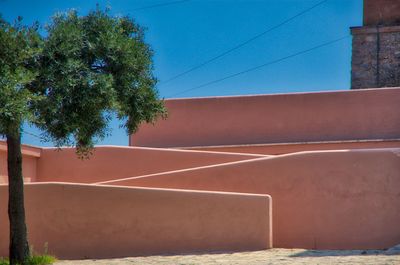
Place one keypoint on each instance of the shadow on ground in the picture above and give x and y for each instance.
(326, 253)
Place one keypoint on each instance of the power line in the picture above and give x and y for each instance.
(32, 134)
(262, 65)
(160, 4)
(259, 35)
(3, 136)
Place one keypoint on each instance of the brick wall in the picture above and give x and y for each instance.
(376, 57)
(376, 46)
(381, 12)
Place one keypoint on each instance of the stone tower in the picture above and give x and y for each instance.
(376, 46)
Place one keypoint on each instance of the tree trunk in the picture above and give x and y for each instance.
(19, 248)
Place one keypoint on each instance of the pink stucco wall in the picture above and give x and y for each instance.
(112, 162)
(86, 221)
(30, 156)
(284, 118)
(345, 199)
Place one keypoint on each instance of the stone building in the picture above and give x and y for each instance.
(376, 46)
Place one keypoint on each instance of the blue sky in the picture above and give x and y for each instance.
(187, 33)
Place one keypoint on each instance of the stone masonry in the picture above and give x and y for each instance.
(376, 46)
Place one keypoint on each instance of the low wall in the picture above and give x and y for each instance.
(86, 221)
(112, 162)
(284, 118)
(321, 200)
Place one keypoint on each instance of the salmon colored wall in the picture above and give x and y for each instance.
(323, 200)
(302, 117)
(112, 162)
(86, 221)
(3, 167)
(30, 156)
(278, 149)
(25, 149)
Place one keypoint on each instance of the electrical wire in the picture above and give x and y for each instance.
(262, 65)
(32, 134)
(160, 4)
(238, 46)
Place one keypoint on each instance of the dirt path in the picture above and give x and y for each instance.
(266, 257)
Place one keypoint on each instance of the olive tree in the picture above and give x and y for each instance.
(69, 84)
(19, 51)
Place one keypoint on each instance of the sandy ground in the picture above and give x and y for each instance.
(272, 256)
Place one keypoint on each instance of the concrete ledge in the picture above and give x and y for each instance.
(285, 148)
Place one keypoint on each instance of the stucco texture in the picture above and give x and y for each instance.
(30, 157)
(346, 199)
(86, 221)
(113, 162)
(370, 114)
(324, 167)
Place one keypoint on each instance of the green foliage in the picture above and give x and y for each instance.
(71, 82)
(4, 261)
(20, 47)
(92, 66)
(34, 260)
(41, 260)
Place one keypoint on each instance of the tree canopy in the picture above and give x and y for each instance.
(20, 48)
(91, 66)
(71, 82)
